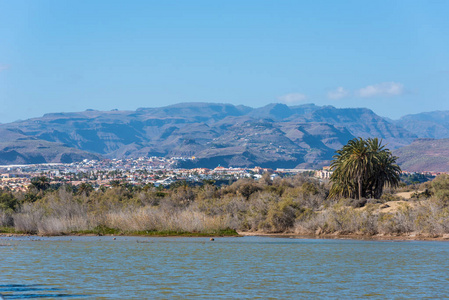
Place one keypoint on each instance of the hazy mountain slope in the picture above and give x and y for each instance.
(275, 111)
(93, 131)
(195, 112)
(16, 148)
(427, 125)
(424, 155)
(362, 122)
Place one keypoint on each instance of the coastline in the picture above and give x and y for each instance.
(411, 237)
(127, 234)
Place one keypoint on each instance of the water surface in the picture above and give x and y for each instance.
(246, 267)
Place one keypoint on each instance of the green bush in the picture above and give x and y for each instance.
(8, 202)
(440, 186)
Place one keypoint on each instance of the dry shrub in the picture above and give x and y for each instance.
(28, 219)
(33, 218)
(134, 219)
(148, 198)
(64, 205)
(432, 218)
(195, 221)
(312, 225)
(158, 219)
(256, 215)
(57, 225)
(399, 222)
(341, 220)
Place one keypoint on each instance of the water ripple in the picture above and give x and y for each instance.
(32, 291)
(249, 267)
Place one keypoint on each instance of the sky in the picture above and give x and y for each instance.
(64, 56)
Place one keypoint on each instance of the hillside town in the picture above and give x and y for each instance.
(141, 171)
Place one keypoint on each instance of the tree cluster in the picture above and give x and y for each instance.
(362, 168)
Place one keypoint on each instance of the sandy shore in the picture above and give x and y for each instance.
(410, 237)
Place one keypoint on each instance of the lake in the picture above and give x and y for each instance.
(243, 267)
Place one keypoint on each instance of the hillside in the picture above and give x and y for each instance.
(16, 148)
(424, 155)
(433, 125)
(272, 136)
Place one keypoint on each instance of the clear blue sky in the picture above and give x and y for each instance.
(60, 56)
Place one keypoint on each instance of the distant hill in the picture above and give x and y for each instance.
(17, 148)
(424, 155)
(433, 125)
(275, 135)
(361, 122)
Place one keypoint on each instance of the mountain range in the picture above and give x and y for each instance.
(276, 135)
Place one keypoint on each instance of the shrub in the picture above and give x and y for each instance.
(282, 215)
(440, 186)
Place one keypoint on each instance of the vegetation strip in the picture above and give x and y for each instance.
(300, 205)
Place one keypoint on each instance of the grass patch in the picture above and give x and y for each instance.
(7, 229)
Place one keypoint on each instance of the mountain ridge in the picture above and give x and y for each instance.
(270, 136)
(433, 124)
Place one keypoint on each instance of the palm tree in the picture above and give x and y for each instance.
(85, 188)
(362, 168)
(40, 183)
(352, 165)
(387, 172)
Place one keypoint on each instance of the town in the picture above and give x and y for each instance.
(141, 171)
(157, 171)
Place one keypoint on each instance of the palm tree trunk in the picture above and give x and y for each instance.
(379, 190)
(360, 187)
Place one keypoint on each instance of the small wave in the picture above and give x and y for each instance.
(32, 291)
